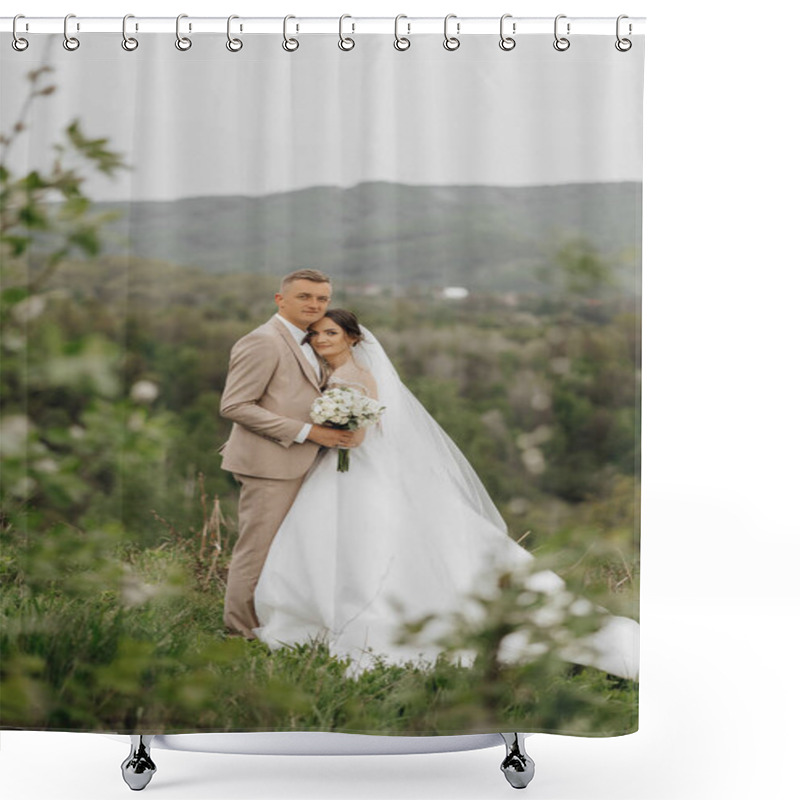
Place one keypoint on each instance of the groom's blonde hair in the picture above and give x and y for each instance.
(304, 275)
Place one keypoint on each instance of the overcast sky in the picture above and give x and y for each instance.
(208, 122)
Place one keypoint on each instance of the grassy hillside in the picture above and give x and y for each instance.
(384, 233)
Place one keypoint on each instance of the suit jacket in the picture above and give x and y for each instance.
(268, 395)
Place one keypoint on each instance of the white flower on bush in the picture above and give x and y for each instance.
(144, 391)
(14, 433)
(28, 309)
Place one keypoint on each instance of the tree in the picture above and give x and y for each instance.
(48, 207)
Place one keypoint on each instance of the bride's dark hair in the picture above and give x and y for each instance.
(347, 321)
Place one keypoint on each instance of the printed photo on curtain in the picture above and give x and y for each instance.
(321, 384)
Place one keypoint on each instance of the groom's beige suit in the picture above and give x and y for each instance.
(271, 385)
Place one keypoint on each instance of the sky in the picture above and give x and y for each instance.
(209, 122)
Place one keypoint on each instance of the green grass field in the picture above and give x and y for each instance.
(98, 635)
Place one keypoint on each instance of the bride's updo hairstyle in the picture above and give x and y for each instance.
(347, 321)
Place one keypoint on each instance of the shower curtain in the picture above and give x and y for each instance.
(320, 383)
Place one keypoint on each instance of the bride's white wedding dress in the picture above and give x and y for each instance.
(408, 531)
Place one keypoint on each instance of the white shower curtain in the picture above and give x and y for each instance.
(478, 213)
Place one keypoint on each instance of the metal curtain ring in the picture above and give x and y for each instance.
(401, 42)
(70, 42)
(18, 43)
(561, 43)
(451, 42)
(182, 42)
(507, 42)
(129, 43)
(234, 45)
(289, 44)
(623, 45)
(346, 42)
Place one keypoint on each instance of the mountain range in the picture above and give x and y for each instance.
(387, 233)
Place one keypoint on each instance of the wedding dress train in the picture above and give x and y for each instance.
(408, 531)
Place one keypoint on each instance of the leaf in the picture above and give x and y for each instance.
(87, 239)
(68, 184)
(14, 295)
(33, 181)
(95, 149)
(18, 244)
(34, 74)
(76, 205)
(31, 216)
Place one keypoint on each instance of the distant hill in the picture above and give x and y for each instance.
(386, 233)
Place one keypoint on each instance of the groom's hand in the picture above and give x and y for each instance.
(331, 437)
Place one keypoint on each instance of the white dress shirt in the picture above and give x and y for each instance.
(308, 351)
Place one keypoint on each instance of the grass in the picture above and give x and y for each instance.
(99, 635)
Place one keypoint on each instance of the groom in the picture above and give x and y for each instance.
(273, 380)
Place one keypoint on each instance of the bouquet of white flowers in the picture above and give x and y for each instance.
(346, 409)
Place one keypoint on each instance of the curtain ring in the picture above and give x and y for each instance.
(289, 45)
(234, 45)
(70, 42)
(346, 42)
(507, 42)
(129, 43)
(561, 43)
(18, 43)
(623, 45)
(183, 43)
(451, 42)
(401, 42)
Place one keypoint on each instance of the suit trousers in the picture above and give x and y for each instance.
(263, 504)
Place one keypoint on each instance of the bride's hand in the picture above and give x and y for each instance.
(331, 437)
(358, 437)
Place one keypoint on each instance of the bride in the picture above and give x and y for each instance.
(407, 531)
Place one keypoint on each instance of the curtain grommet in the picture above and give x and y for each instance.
(451, 43)
(183, 43)
(507, 43)
(233, 44)
(401, 43)
(129, 43)
(18, 42)
(346, 43)
(289, 44)
(561, 43)
(623, 44)
(70, 43)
